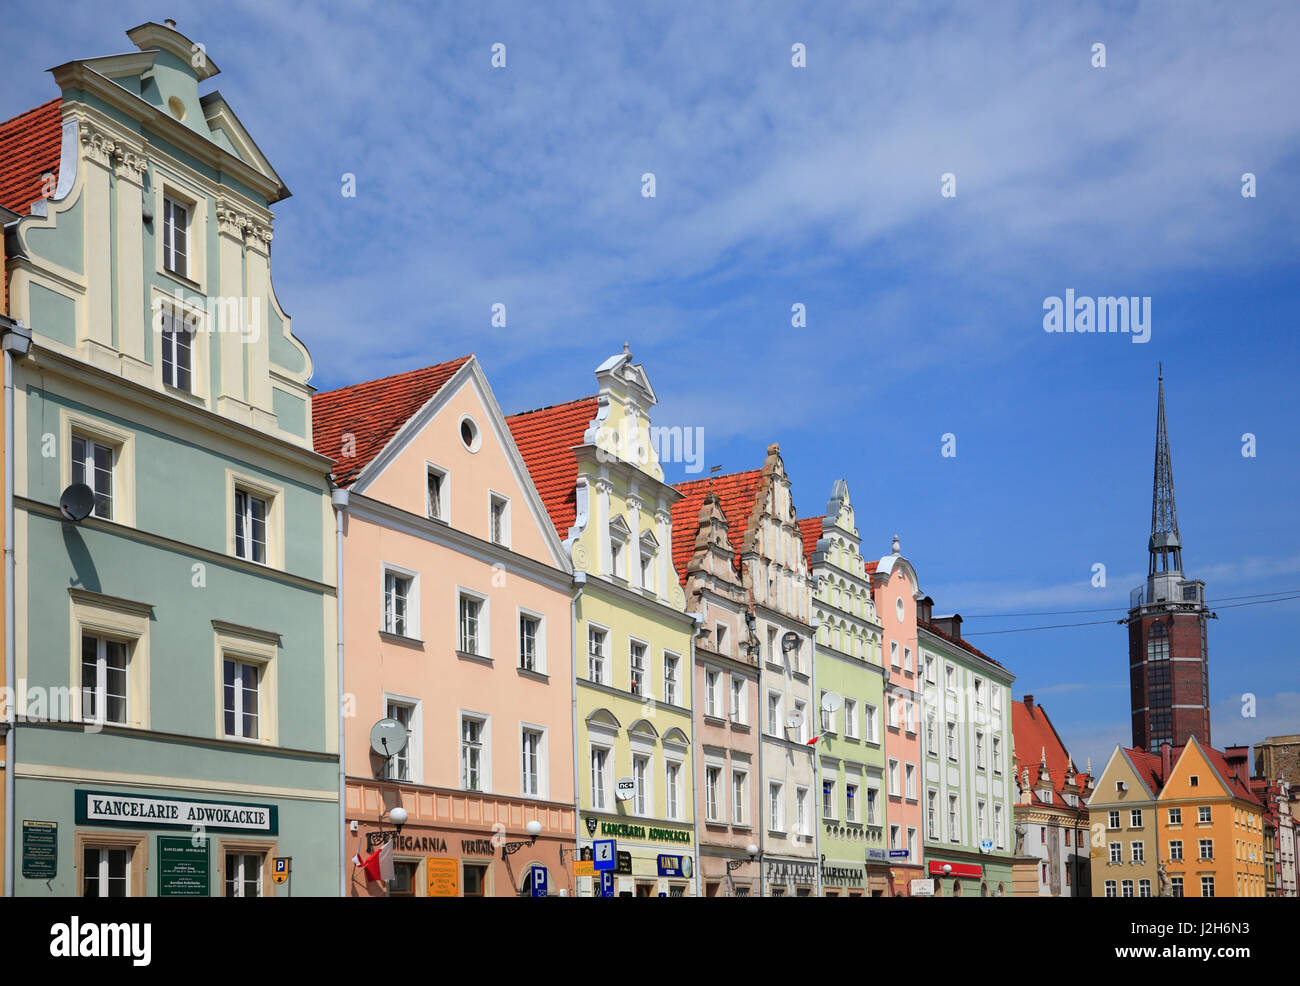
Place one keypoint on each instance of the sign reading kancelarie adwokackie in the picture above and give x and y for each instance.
(136, 810)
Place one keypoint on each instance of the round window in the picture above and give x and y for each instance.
(898, 608)
(469, 433)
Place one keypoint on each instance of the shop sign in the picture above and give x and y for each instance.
(921, 888)
(477, 847)
(443, 877)
(584, 867)
(955, 869)
(782, 871)
(406, 843)
(840, 874)
(133, 811)
(898, 853)
(678, 866)
(624, 862)
(183, 867)
(40, 850)
(877, 855)
(624, 830)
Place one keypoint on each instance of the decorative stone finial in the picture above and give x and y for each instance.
(896, 551)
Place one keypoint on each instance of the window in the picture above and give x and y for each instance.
(599, 777)
(911, 844)
(894, 832)
(1195, 781)
(893, 778)
(909, 717)
(1127, 886)
(176, 219)
(775, 808)
(869, 724)
(800, 713)
(931, 745)
(893, 653)
(398, 766)
(92, 464)
(473, 759)
(1207, 886)
(250, 526)
(1137, 851)
(997, 754)
(469, 435)
(952, 741)
(891, 710)
(980, 824)
(738, 799)
(474, 880)
(997, 826)
(1203, 813)
(850, 718)
(720, 636)
(979, 750)
(1112, 819)
(103, 679)
(828, 799)
(499, 514)
(1175, 886)
(873, 798)
(954, 827)
(978, 686)
(774, 713)
(472, 638)
(530, 643)
(907, 659)
(106, 872)
(177, 344)
(1207, 848)
(435, 494)
(596, 640)
(397, 598)
(647, 568)
(1116, 853)
(929, 669)
(616, 545)
(243, 874)
(850, 802)
(711, 693)
(241, 694)
(643, 798)
(673, 774)
(531, 762)
(1135, 818)
(771, 645)
(403, 882)
(931, 815)
(636, 660)
(670, 678)
(801, 811)
(738, 712)
(1110, 889)
(949, 678)
(909, 773)
(1176, 849)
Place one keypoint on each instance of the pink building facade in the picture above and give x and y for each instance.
(457, 625)
(896, 590)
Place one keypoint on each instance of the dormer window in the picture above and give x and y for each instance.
(649, 551)
(619, 534)
(436, 494)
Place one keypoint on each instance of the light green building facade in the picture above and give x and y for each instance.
(967, 740)
(176, 665)
(850, 683)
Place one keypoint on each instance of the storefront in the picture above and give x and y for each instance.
(460, 844)
(902, 870)
(651, 859)
(786, 877)
(842, 878)
(727, 872)
(878, 873)
(958, 876)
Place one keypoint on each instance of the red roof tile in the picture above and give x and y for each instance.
(811, 529)
(1149, 767)
(1034, 733)
(1238, 784)
(372, 412)
(964, 644)
(29, 147)
(546, 439)
(736, 492)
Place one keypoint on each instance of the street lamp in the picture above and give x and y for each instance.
(735, 864)
(534, 829)
(398, 817)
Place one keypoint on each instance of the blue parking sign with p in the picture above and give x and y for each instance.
(539, 881)
(607, 884)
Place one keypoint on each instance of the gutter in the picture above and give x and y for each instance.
(17, 340)
(579, 583)
(339, 499)
(698, 620)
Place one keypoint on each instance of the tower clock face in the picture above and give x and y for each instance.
(388, 737)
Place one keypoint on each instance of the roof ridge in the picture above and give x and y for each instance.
(35, 109)
(392, 376)
(552, 407)
(711, 479)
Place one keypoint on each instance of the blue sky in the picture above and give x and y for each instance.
(820, 186)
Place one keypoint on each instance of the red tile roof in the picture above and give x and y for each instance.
(736, 492)
(1238, 785)
(29, 147)
(964, 644)
(372, 412)
(811, 529)
(1034, 733)
(871, 567)
(1149, 767)
(546, 439)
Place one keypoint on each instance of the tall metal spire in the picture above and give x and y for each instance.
(1165, 547)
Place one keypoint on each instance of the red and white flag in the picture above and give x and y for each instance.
(379, 864)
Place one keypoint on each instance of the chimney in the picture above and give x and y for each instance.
(1166, 756)
(1029, 702)
(1237, 758)
(170, 23)
(924, 609)
(951, 625)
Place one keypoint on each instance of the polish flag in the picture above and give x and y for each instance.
(379, 864)
(813, 741)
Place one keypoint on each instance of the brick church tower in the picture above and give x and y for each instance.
(1169, 669)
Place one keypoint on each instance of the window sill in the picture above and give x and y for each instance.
(713, 720)
(477, 658)
(400, 638)
(533, 675)
(740, 727)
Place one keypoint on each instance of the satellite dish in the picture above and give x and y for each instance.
(388, 737)
(790, 641)
(794, 720)
(832, 701)
(77, 502)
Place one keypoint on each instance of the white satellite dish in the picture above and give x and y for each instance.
(794, 720)
(832, 701)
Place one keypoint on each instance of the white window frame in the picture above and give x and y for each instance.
(167, 234)
(776, 806)
(711, 678)
(414, 751)
(601, 791)
(871, 723)
(893, 774)
(713, 793)
(632, 644)
(543, 761)
(603, 634)
(484, 618)
(443, 513)
(643, 797)
(412, 577)
(851, 718)
(673, 687)
(673, 788)
(485, 750)
(739, 797)
(539, 639)
(739, 700)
